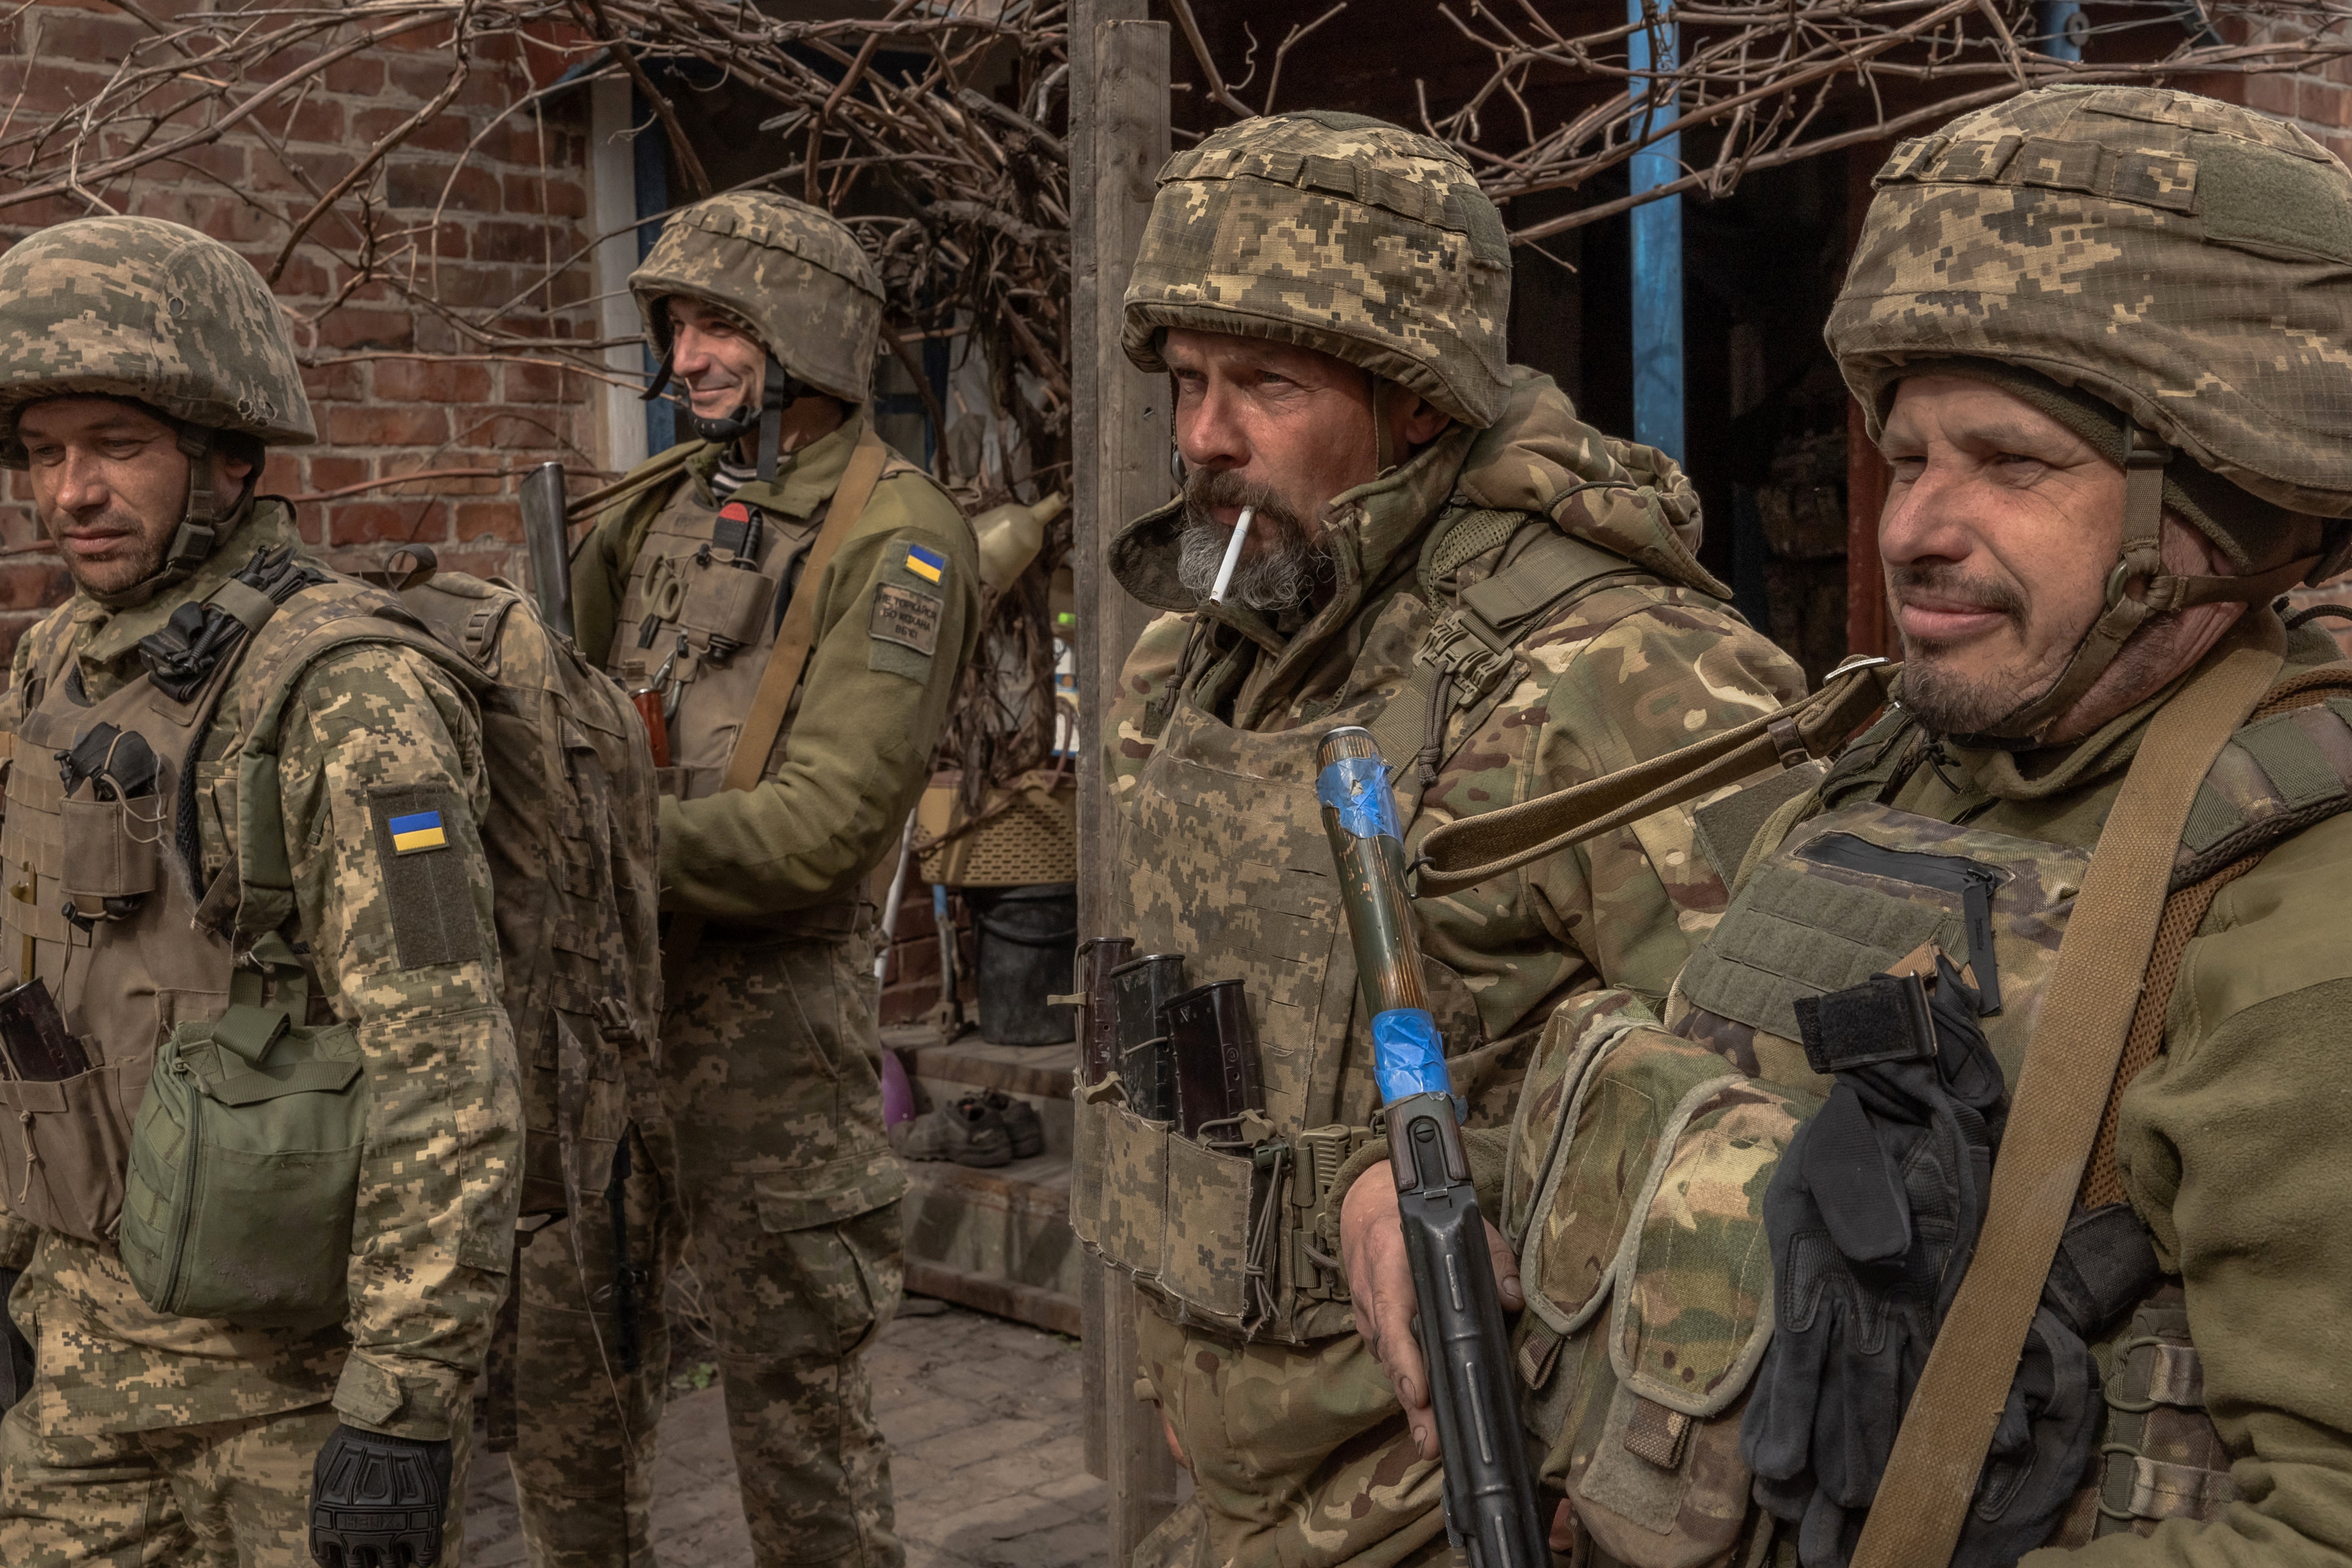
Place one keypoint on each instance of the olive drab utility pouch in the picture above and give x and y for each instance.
(1648, 1278)
(112, 822)
(63, 1125)
(245, 1160)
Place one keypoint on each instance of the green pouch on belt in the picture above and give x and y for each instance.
(244, 1162)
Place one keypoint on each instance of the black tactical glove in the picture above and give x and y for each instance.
(1872, 1215)
(2043, 1445)
(378, 1501)
(16, 1359)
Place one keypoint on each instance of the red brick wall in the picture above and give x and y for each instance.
(521, 202)
(910, 985)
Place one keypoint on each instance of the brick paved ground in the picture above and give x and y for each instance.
(983, 1420)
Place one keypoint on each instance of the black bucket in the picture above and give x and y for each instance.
(1028, 946)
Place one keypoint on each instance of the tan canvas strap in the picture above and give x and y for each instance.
(749, 760)
(1478, 848)
(1931, 1476)
(765, 721)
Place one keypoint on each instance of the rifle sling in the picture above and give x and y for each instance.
(1931, 1476)
(748, 761)
(1477, 847)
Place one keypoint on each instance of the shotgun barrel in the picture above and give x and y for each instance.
(547, 544)
(1491, 1512)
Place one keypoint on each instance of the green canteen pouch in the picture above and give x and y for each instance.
(1649, 1280)
(244, 1170)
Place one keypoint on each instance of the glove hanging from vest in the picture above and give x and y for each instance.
(199, 635)
(1872, 1216)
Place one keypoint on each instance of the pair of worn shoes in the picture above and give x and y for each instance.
(979, 1131)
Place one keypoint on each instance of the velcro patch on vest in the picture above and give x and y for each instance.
(426, 887)
(907, 616)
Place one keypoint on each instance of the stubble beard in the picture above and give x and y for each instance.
(1947, 701)
(141, 558)
(1284, 569)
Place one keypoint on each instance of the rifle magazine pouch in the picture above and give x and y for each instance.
(1133, 1231)
(63, 1146)
(111, 849)
(1579, 1029)
(243, 1171)
(726, 604)
(1209, 1227)
(1091, 1105)
(1649, 1292)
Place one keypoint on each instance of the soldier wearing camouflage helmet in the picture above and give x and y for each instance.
(1437, 549)
(787, 530)
(2098, 335)
(241, 838)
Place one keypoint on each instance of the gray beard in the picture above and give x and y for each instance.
(1953, 705)
(1279, 578)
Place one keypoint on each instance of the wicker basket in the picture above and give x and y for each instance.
(1027, 833)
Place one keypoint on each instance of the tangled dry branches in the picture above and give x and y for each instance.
(1758, 83)
(938, 131)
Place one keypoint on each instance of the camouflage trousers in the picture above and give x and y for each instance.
(1300, 1457)
(771, 1076)
(586, 1385)
(229, 1494)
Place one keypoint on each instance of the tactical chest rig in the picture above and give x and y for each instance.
(106, 901)
(706, 603)
(1225, 860)
(1640, 1153)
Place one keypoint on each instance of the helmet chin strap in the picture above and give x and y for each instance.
(199, 528)
(778, 390)
(1383, 439)
(2141, 560)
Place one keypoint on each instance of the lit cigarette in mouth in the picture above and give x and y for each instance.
(1232, 556)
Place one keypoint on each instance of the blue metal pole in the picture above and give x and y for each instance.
(1657, 251)
(2056, 40)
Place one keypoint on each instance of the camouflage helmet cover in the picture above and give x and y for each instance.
(2182, 259)
(787, 270)
(1336, 232)
(150, 311)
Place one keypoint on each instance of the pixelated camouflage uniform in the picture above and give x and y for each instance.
(581, 1355)
(167, 1438)
(770, 1043)
(2003, 249)
(1620, 648)
(192, 1435)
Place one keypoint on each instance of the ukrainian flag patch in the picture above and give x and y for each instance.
(419, 830)
(926, 563)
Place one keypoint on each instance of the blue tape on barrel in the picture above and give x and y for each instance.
(1358, 789)
(1408, 1058)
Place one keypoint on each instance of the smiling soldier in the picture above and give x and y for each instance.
(1976, 1193)
(788, 541)
(1440, 550)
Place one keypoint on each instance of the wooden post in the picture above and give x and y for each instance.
(1119, 139)
(1867, 630)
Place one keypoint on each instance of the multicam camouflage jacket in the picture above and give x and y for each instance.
(1649, 661)
(1634, 1175)
(368, 721)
